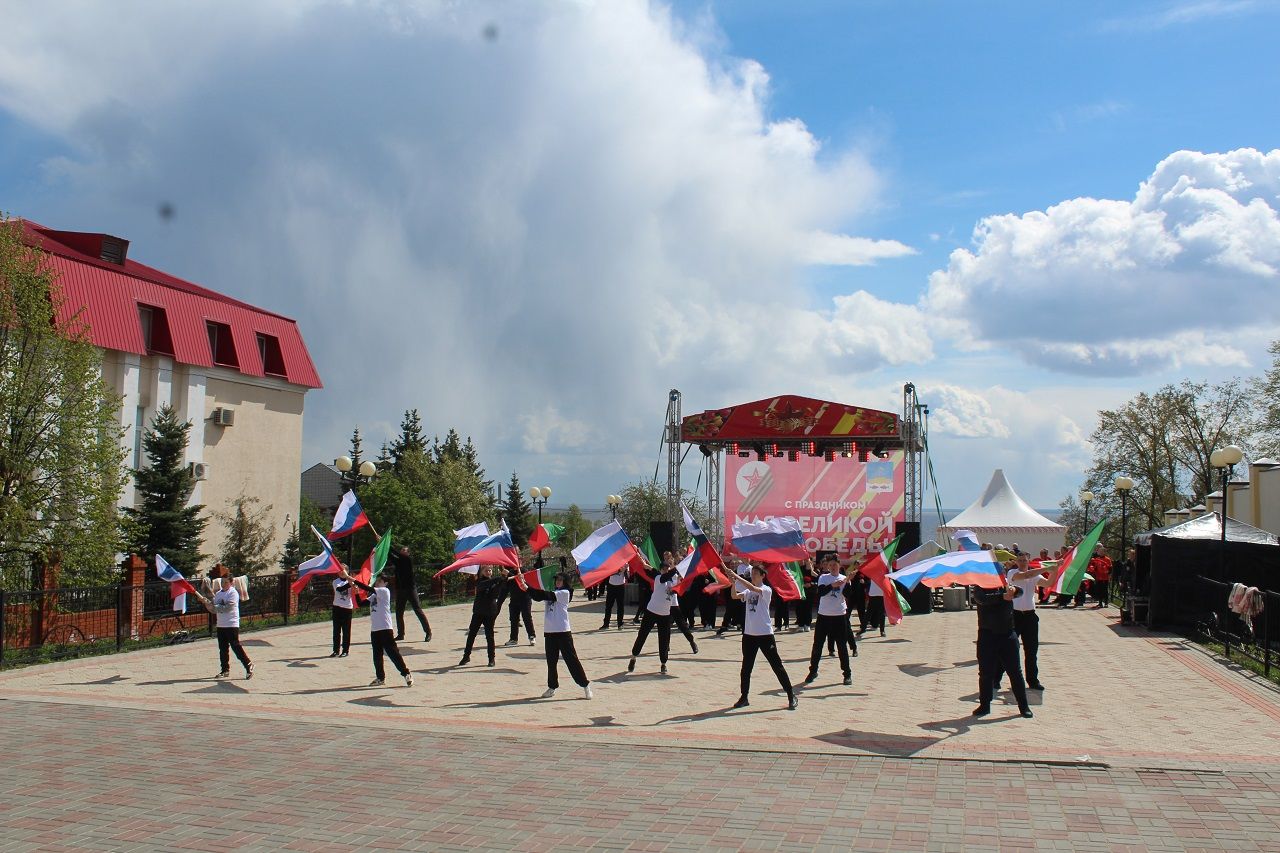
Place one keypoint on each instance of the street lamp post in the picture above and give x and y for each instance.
(1086, 498)
(540, 494)
(1224, 459)
(1123, 485)
(613, 502)
(351, 479)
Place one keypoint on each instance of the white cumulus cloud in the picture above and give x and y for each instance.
(1108, 286)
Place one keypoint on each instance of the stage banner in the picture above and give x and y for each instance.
(843, 505)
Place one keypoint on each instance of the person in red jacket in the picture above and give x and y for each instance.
(1100, 568)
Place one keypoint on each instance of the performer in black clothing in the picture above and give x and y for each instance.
(407, 591)
(706, 602)
(804, 607)
(734, 609)
(615, 588)
(519, 605)
(998, 648)
(491, 590)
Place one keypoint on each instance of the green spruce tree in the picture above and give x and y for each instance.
(516, 512)
(247, 535)
(410, 441)
(162, 522)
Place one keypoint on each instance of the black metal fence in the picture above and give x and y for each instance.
(37, 626)
(1254, 641)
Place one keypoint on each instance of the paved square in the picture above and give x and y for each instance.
(1139, 742)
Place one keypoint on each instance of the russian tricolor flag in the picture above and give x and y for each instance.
(349, 518)
(496, 549)
(178, 585)
(324, 563)
(771, 540)
(967, 568)
(469, 537)
(703, 558)
(604, 552)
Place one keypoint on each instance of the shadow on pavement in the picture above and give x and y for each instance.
(916, 670)
(110, 679)
(498, 703)
(220, 687)
(596, 723)
(378, 702)
(879, 743)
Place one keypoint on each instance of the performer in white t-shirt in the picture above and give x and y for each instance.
(614, 595)
(382, 634)
(226, 607)
(657, 612)
(757, 633)
(833, 621)
(344, 603)
(557, 636)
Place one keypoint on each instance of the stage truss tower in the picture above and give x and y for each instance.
(914, 442)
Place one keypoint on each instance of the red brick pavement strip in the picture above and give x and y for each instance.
(79, 777)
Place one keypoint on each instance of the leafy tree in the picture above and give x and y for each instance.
(60, 456)
(576, 526)
(301, 539)
(163, 523)
(646, 502)
(516, 512)
(247, 536)
(410, 440)
(463, 496)
(406, 501)
(1266, 421)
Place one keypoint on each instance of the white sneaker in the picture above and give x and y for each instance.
(377, 682)
(548, 693)
(586, 692)
(408, 679)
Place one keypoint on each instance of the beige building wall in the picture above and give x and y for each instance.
(260, 454)
(1268, 486)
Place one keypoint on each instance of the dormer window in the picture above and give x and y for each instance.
(272, 358)
(222, 347)
(155, 330)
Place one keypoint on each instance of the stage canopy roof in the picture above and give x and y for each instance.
(1000, 507)
(1207, 526)
(788, 418)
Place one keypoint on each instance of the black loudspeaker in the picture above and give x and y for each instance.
(920, 598)
(663, 534)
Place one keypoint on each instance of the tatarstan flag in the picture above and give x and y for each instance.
(543, 578)
(786, 580)
(643, 564)
(877, 570)
(1070, 571)
(373, 565)
(543, 535)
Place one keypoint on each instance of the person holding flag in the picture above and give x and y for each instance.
(407, 591)
(344, 605)
(614, 590)
(833, 621)
(557, 636)
(757, 633)
(657, 612)
(381, 636)
(490, 592)
(226, 607)
(998, 648)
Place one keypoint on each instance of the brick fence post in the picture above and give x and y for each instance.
(44, 570)
(133, 578)
(289, 597)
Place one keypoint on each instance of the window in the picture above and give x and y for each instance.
(272, 358)
(155, 330)
(221, 346)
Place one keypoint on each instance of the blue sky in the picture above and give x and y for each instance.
(531, 237)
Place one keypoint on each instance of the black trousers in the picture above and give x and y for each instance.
(733, 613)
(229, 641)
(341, 628)
(1102, 591)
(998, 652)
(781, 614)
(768, 646)
(409, 595)
(1082, 595)
(1027, 625)
(614, 596)
(478, 621)
(804, 612)
(874, 615)
(707, 610)
(677, 616)
(518, 609)
(384, 642)
(664, 634)
(829, 627)
(560, 644)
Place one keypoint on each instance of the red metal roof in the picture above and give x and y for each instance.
(110, 294)
(787, 418)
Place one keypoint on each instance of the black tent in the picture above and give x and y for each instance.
(1170, 560)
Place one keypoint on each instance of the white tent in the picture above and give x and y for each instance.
(1002, 518)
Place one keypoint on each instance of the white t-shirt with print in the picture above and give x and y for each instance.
(661, 599)
(831, 598)
(342, 597)
(380, 609)
(757, 622)
(555, 618)
(226, 602)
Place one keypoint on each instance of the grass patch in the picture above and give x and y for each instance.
(1244, 661)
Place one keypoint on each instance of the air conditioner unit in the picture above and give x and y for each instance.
(223, 417)
(199, 470)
